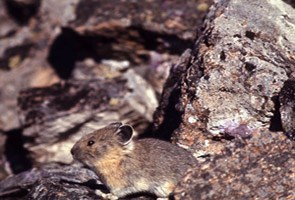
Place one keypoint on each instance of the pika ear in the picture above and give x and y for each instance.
(125, 134)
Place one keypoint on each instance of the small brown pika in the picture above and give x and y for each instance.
(127, 165)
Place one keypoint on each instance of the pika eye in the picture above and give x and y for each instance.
(90, 143)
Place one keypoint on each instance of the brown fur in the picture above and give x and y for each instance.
(126, 165)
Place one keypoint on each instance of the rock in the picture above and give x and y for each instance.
(3, 172)
(56, 181)
(8, 26)
(51, 181)
(57, 116)
(175, 18)
(240, 63)
(29, 73)
(22, 57)
(34, 32)
(96, 32)
(22, 10)
(238, 77)
(167, 116)
(287, 108)
(259, 168)
(58, 13)
(229, 97)
(50, 189)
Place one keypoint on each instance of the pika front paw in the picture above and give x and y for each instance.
(108, 196)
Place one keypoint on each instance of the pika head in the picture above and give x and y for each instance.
(110, 142)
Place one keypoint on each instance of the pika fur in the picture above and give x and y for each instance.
(127, 165)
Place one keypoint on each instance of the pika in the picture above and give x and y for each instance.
(127, 165)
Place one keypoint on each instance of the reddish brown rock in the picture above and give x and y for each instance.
(259, 168)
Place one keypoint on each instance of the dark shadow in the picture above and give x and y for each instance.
(140, 195)
(223, 137)
(21, 51)
(170, 111)
(22, 12)
(275, 121)
(287, 103)
(15, 153)
(13, 194)
(172, 118)
(162, 42)
(64, 52)
(92, 184)
(147, 132)
(70, 47)
(290, 2)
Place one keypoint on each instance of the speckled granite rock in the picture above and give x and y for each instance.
(235, 72)
(260, 168)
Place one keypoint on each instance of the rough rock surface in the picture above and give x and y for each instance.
(175, 17)
(52, 181)
(234, 75)
(56, 117)
(44, 42)
(220, 98)
(235, 83)
(56, 181)
(259, 168)
(72, 66)
(41, 41)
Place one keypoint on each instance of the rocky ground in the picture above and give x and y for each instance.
(219, 82)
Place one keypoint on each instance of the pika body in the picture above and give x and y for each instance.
(127, 165)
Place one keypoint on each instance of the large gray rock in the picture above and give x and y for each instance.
(231, 83)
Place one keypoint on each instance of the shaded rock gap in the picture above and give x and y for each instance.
(22, 11)
(15, 153)
(276, 121)
(110, 43)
